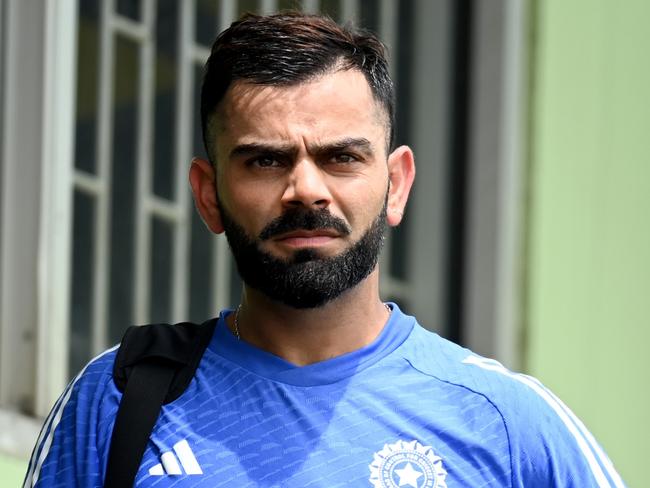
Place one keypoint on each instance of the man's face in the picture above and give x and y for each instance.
(301, 182)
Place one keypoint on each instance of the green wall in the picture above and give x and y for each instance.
(588, 314)
(12, 471)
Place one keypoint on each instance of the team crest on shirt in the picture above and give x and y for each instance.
(407, 464)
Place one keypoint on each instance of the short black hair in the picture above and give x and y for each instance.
(290, 48)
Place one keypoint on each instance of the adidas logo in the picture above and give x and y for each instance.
(169, 464)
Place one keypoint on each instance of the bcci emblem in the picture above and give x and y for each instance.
(407, 464)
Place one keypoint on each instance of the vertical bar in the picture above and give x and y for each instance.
(427, 114)
(56, 193)
(388, 30)
(201, 298)
(82, 273)
(104, 158)
(491, 295)
(31, 81)
(144, 151)
(463, 11)
(508, 308)
(221, 273)
(227, 13)
(398, 251)
(311, 6)
(483, 168)
(388, 33)
(349, 10)
(3, 67)
(221, 261)
(124, 169)
(19, 217)
(181, 284)
(267, 6)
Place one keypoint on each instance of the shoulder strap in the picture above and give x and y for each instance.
(154, 365)
(144, 395)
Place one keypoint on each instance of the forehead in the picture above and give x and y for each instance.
(331, 106)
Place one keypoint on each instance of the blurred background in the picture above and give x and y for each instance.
(527, 237)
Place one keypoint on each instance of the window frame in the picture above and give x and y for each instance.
(37, 131)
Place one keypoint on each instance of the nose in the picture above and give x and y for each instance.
(306, 186)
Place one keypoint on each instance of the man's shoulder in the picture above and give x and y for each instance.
(458, 366)
(91, 390)
(547, 441)
(77, 428)
(93, 386)
(526, 407)
(98, 371)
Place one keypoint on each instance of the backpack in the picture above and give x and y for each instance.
(154, 366)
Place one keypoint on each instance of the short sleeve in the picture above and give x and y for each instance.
(72, 446)
(550, 446)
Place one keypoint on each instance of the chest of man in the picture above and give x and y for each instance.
(401, 430)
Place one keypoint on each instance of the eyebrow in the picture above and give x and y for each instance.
(290, 150)
(358, 143)
(258, 148)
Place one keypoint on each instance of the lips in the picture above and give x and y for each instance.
(307, 238)
(306, 234)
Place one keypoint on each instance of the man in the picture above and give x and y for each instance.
(313, 381)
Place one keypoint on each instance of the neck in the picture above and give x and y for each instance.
(306, 336)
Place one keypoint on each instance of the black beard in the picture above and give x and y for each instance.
(307, 279)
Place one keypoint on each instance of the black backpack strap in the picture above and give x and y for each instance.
(154, 365)
(144, 395)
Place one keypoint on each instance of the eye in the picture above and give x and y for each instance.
(344, 158)
(268, 161)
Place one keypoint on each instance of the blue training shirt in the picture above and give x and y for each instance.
(409, 410)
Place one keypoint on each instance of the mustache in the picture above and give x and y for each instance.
(301, 219)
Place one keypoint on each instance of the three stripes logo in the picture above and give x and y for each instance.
(170, 463)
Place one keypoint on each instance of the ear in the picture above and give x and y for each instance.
(401, 173)
(204, 189)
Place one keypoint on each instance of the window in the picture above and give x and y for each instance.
(140, 252)
(98, 227)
